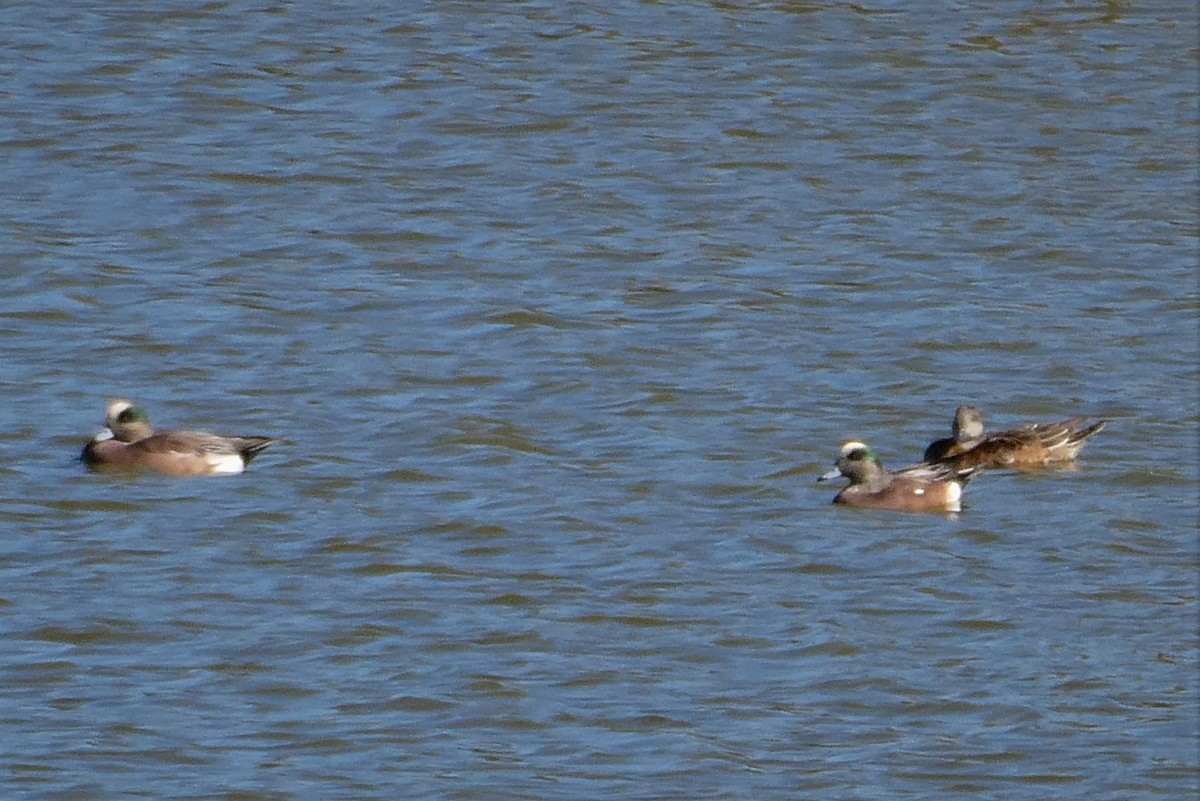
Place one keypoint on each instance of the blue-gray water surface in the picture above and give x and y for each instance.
(557, 310)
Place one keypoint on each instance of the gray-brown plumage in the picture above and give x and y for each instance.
(1028, 446)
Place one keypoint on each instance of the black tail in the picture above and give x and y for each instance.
(1080, 434)
(965, 474)
(249, 447)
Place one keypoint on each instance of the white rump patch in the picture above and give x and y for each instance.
(919, 491)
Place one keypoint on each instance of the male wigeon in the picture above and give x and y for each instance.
(130, 442)
(920, 488)
(1028, 446)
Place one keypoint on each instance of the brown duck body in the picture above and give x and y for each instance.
(1030, 446)
(919, 488)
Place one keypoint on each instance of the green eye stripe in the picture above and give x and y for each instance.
(132, 415)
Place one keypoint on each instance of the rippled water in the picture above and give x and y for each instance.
(558, 310)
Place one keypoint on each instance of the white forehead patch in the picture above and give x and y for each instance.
(853, 446)
(116, 407)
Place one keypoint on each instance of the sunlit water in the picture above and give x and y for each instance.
(557, 311)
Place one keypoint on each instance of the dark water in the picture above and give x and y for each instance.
(558, 310)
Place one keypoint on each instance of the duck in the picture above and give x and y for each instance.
(1030, 446)
(919, 488)
(129, 441)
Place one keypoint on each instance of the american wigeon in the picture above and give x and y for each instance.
(1028, 446)
(920, 488)
(130, 442)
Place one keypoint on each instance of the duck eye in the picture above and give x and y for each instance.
(856, 456)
